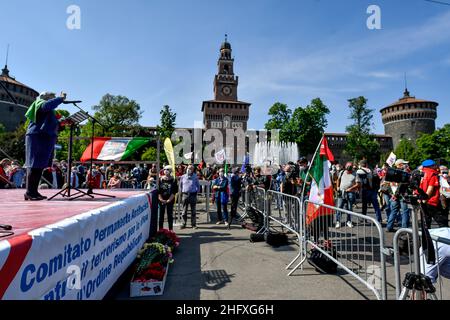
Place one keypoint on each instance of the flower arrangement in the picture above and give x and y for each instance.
(153, 258)
(167, 238)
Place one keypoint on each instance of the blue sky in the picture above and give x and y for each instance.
(165, 52)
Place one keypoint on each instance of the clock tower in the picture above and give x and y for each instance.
(225, 111)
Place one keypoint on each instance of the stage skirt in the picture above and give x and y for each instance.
(39, 150)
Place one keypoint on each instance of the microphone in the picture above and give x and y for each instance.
(72, 102)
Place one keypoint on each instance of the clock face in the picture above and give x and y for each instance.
(226, 90)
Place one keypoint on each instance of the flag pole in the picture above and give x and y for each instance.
(309, 169)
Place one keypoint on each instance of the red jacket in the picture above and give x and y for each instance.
(431, 178)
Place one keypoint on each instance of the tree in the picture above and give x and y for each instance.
(435, 146)
(407, 151)
(167, 125)
(151, 155)
(307, 125)
(118, 114)
(304, 126)
(12, 144)
(361, 144)
(280, 117)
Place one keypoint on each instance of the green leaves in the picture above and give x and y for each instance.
(304, 126)
(118, 114)
(167, 126)
(434, 146)
(361, 144)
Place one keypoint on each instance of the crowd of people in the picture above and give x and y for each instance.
(371, 187)
(13, 175)
(353, 184)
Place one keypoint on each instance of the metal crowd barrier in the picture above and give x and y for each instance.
(405, 263)
(244, 204)
(285, 211)
(360, 251)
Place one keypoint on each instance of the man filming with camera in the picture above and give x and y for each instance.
(430, 185)
(397, 203)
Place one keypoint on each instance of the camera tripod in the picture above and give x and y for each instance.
(417, 286)
(417, 282)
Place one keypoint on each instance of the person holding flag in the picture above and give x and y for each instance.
(40, 139)
(321, 190)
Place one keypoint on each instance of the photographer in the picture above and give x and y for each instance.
(368, 191)
(430, 185)
(347, 187)
(288, 185)
(396, 201)
(260, 180)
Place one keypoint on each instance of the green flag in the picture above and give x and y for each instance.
(226, 168)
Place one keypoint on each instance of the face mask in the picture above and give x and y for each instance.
(190, 172)
(221, 174)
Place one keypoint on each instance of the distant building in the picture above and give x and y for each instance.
(338, 141)
(408, 117)
(225, 111)
(12, 115)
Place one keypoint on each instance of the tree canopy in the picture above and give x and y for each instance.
(167, 124)
(304, 125)
(361, 143)
(118, 114)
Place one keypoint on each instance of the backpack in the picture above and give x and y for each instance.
(276, 239)
(323, 263)
(364, 181)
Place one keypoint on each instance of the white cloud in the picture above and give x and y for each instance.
(358, 62)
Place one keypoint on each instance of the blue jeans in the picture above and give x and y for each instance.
(396, 206)
(346, 203)
(222, 210)
(387, 200)
(371, 196)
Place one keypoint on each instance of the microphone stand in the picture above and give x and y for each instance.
(90, 191)
(66, 191)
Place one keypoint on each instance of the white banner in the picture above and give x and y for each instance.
(220, 156)
(78, 258)
(391, 159)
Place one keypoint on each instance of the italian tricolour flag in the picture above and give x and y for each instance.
(114, 149)
(321, 186)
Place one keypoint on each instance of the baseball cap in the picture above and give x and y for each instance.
(400, 161)
(168, 168)
(428, 163)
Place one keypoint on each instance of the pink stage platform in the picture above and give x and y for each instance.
(25, 216)
(70, 250)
